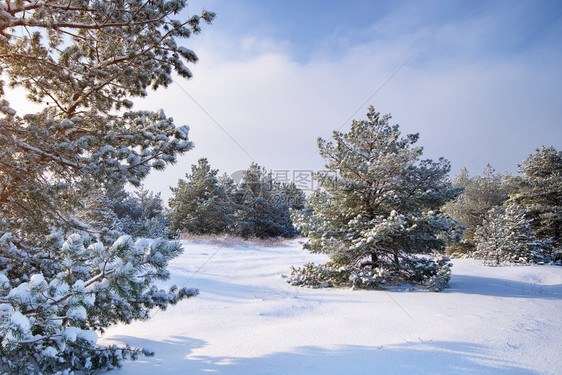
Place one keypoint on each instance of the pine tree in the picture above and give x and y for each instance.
(199, 204)
(60, 280)
(262, 205)
(140, 213)
(98, 217)
(539, 192)
(253, 211)
(292, 196)
(255, 207)
(378, 207)
(506, 236)
(480, 195)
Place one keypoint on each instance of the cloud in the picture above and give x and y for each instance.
(469, 106)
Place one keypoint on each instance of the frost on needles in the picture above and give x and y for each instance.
(377, 214)
(64, 277)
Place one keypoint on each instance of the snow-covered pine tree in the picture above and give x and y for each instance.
(291, 195)
(255, 207)
(140, 213)
(480, 195)
(377, 211)
(506, 236)
(59, 281)
(539, 192)
(262, 205)
(199, 204)
(97, 215)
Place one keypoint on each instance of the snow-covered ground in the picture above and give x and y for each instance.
(248, 320)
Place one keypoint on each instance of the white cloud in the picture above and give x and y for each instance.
(472, 111)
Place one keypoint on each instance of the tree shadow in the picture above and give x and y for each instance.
(488, 286)
(170, 354)
(173, 357)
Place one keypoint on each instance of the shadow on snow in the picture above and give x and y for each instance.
(173, 356)
(488, 286)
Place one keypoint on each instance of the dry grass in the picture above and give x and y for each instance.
(229, 240)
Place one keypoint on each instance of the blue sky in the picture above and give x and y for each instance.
(311, 27)
(481, 81)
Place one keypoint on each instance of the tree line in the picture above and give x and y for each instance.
(257, 206)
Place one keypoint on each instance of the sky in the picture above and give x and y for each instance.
(481, 81)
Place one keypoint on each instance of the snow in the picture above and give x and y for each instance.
(90, 336)
(49, 351)
(37, 280)
(122, 241)
(79, 285)
(248, 320)
(21, 293)
(4, 281)
(70, 333)
(60, 288)
(77, 312)
(141, 245)
(183, 131)
(20, 321)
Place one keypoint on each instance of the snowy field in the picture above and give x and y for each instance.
(248, 320)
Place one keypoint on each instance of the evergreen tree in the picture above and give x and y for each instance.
(262, 205)
(539, 192)
(228, 184)
(379, 209)
(506, 236)
(111, 211)
(140, 213)
(255, 207)
(199, 205)
(480, 195)
(292, 196)
(98, 217)
(256, 213)
(60, 281)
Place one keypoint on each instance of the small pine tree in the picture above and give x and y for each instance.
(97, 215)
(378, 207)
(506, 236)
(480, 195)
(199, 204)
(539, 192)
(292, 196)
(262, 206)
(141, 214)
